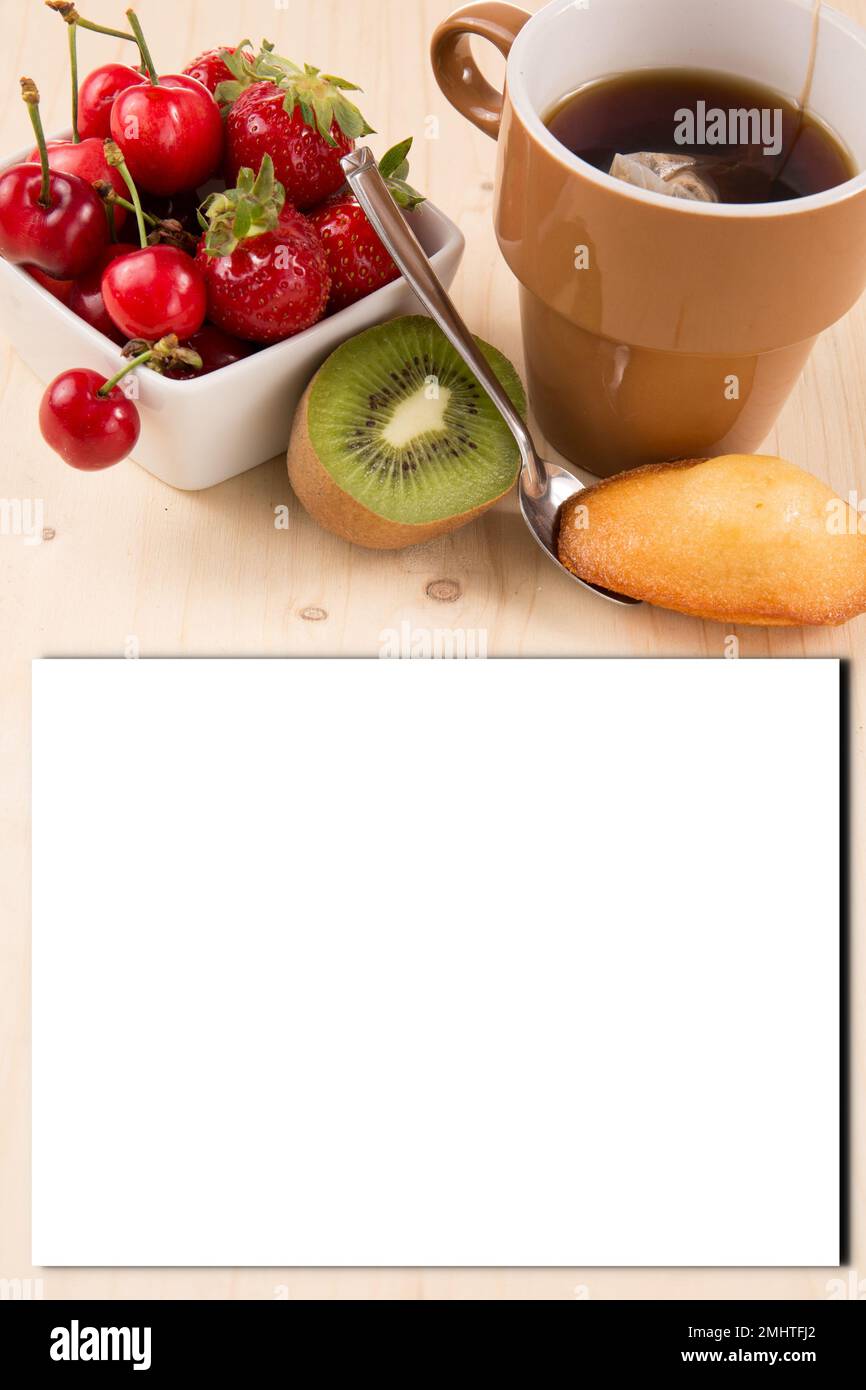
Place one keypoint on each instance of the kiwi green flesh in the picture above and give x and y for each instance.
(400, 423)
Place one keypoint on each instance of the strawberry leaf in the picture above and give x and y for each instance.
(243, 221)
(394, 168)
(341, 82)
(265, 186)
(227, 93)
(404, 195)
(349, 118)
(396, 162)
(239, 62)
(241, 65)
(319, 97)
(248, 210)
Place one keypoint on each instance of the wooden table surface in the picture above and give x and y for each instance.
(207, 574)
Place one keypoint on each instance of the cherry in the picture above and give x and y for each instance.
(62, 234)
(61, 289)
(92, 102)
(88, 420)
(171, 134)
(87, 160)
(216, 349)
(156, 290)
(48, 219)
(169, 129)
(96, 98)
(85, 298)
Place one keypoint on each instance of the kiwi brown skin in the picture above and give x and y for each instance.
(336, 511)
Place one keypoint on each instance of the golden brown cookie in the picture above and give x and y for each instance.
(745, 538)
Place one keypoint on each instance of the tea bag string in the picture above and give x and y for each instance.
(806, 93)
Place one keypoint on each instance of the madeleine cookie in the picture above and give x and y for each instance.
(745, 538)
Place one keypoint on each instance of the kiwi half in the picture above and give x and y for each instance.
(395, 442)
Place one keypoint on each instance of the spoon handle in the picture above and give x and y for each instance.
(372, 193)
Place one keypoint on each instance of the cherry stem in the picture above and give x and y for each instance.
(72, 19)
(110, 33)
(143, 48)
(115, 160)
(30, 93)
(69, 13)
(139, 361)
(73, 64)
(114, 199)
(171, 229)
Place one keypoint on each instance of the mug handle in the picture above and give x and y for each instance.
(455, 68)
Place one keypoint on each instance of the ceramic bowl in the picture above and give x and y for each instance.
(197, 433)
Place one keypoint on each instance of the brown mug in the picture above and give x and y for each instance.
(658, 328)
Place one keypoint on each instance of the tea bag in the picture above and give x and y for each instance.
(674, 175)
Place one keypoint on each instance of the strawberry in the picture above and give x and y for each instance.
(263, 263)
(357, 260)
(210, 69)
(299, 116)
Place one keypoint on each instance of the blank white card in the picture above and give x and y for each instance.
(436, 962)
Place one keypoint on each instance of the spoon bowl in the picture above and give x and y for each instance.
(541, 514)
(543, 487)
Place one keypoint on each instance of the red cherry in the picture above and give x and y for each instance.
(49, 219)
(61, 289)
(87, 160)
(155, 291)
(62, 238)
(86, 300)
(88, 430)
(96, 98)
(170, 132)
(216, 349)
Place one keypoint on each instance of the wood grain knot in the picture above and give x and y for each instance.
(444, 590)
(314, 615)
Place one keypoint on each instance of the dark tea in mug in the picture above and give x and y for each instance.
(750, 144)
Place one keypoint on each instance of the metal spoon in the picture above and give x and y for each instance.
(543, 486)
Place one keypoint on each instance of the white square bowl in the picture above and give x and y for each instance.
(197, 433)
